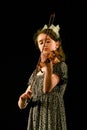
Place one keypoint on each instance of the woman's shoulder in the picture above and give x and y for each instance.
(60, 67)
(61, 64)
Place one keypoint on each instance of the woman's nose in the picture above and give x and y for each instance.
(45, 43)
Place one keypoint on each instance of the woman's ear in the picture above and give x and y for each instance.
(58, 43)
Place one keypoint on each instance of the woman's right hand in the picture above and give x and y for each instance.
(22, 102)
(26, 95)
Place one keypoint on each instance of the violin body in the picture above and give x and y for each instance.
(52, 56)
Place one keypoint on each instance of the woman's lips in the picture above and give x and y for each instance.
(45, 48)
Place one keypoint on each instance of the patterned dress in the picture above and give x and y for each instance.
(47, 110)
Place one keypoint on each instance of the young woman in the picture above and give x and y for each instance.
(47, 83)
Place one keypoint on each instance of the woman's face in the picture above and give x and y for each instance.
(46, 44)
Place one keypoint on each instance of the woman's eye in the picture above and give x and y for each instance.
(41, 43)
(47, 41)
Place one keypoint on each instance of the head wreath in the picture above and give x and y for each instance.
(54, 28)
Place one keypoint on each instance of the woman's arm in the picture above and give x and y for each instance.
(50, 79)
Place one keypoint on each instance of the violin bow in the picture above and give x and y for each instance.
(36, 70)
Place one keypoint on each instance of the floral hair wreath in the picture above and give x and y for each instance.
(54, 28)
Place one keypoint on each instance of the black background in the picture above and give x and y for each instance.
(19, 56)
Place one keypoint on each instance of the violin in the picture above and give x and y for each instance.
(53, 56)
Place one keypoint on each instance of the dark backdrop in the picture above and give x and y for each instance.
(19, 56)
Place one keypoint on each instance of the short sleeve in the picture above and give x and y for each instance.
(31, 78)
(61, 70)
